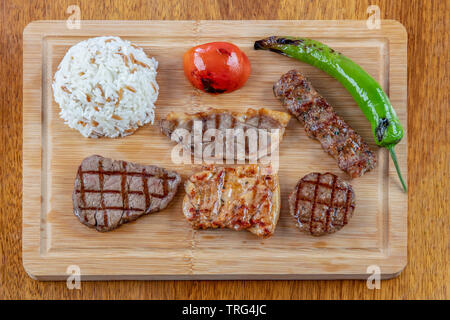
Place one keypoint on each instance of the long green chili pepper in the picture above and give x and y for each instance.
(372, 100)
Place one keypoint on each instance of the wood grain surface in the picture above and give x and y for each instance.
(168, 248)
(426, 275)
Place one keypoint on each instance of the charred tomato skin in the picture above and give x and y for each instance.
(216, 67)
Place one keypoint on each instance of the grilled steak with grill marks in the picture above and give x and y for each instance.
(322, 123)
(109, 193)
(322, 203)
(222, 120)
(244, 197)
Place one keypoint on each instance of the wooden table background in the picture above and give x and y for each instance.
(427, 273)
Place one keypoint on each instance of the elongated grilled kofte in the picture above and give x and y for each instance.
(321, 122)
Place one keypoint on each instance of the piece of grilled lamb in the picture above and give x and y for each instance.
(258, 122)
(239, 198)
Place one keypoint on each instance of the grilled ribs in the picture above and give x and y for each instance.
(321, 122)
(109, 193)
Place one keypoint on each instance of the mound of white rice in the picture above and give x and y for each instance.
(106, 86)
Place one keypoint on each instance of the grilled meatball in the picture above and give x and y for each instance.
(322, 203)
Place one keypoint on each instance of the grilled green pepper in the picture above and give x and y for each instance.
(372, 100)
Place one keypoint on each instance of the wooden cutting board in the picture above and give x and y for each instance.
(162, 245)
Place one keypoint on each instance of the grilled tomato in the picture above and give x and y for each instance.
(216, 67)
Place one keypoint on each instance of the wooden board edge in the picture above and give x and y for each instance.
(35, 26)
(398, 200)
(31, 151)
(249, 277)
(29, 32)
(387, 271)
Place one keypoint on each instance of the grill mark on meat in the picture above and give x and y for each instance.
(80, 174)
(316, 184)
(110, 208)
(333, 191)
(316, 188)
(119, 173)
(109, 191)
(347, 204)
(82, 191)
(123, 189)
(145, 188)
(112, 219)
(322, 123)
(102, 200)
(164, 186)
